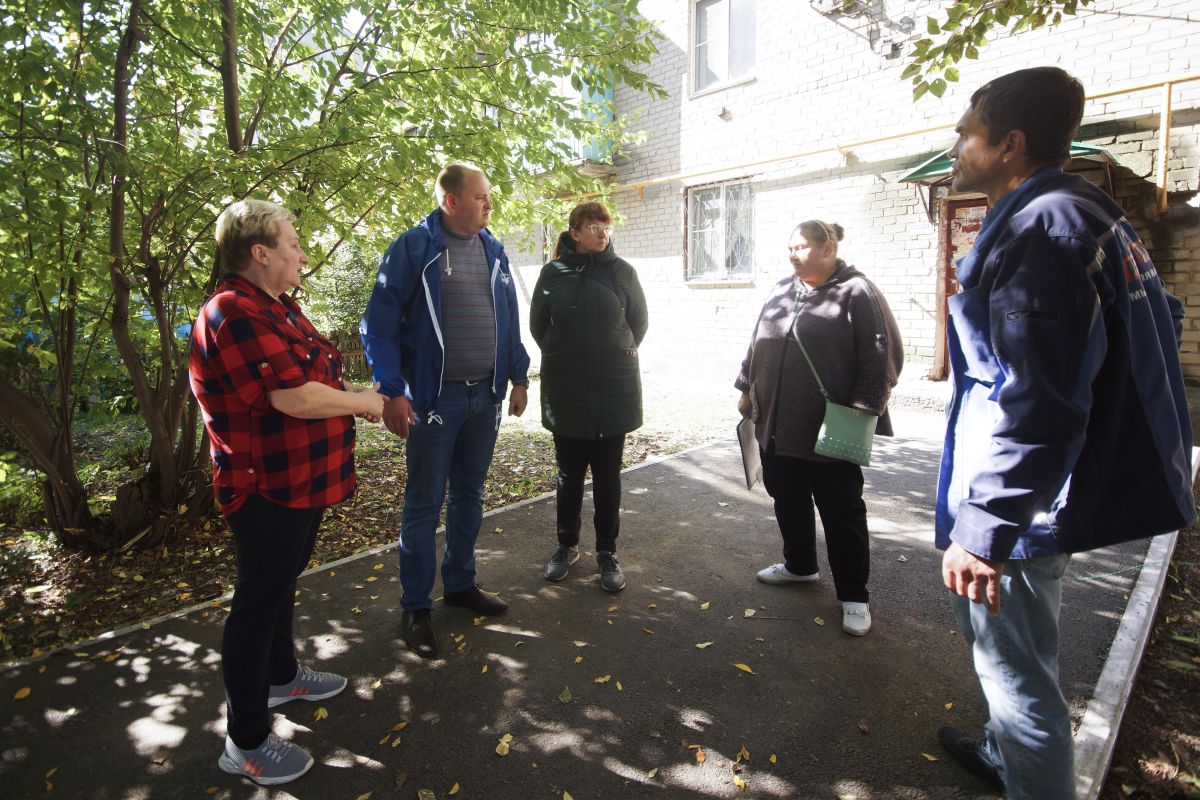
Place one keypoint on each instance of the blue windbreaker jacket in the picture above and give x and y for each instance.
(1068, 429)
(402, 327)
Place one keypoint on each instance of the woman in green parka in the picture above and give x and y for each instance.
(588, 316)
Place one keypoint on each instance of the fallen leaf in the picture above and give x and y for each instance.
(22, 693)
(375, 684)
(652, 605)
(320, 714)
(458, 638)
(862, 726)
(949, 706)
(499, 530)
(749, 612)
(567, 795)
(931, 758)
(399, 726)
(364, 796)
(902, 558)
(506, 737)
(745, 668)
(578, 643)
(818, 620)
(565, 695)
(647, 631)
(743, 754)
(722, 504)
(704, 606)
(847, 797)
(478, 621)
(485, 666)
(739, 782)
(53, 770)
(699, 755)
(603, 679)
(620, 688)
(426, 794)
(453, 790)
(386, 738)
(578, 659)
(502, 749)
(378, 566)
(773, 759)
(703, 645)
(652, 773)
(613, 609)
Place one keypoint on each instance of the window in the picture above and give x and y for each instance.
(723, 42)
(720, 232)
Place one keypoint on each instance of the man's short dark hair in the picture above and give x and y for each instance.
(1046, 103)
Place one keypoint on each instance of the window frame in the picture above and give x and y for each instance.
(724, 276)
(694, 90)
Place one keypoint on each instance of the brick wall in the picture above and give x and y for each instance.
(817, 84)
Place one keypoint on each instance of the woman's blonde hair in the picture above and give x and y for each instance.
(245, 224)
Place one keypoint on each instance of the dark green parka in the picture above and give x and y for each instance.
(588, 316)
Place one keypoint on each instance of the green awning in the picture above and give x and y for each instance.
(938, 165)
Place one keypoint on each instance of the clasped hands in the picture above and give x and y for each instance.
(399, 416)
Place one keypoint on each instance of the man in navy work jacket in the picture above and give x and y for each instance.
(442, 335)
(1068, 429)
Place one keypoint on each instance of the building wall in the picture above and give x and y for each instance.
(819, 84)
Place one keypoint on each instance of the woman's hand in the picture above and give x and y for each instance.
(745, 406)
(373, 412)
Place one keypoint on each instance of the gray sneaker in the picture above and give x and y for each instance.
(272, 762)
(611, 579)
(307, 685)
(561, 562)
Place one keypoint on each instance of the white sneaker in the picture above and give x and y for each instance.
(856, 618)
(779, 573)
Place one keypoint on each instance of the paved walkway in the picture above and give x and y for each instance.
(604, 696)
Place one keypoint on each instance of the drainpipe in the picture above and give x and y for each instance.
(1161, 206)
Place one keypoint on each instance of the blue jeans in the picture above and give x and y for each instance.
(1016, 659)
(452, 442)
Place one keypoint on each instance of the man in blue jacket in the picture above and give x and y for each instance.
(442, 334)
(1068, 429)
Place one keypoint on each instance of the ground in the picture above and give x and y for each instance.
(51, 599)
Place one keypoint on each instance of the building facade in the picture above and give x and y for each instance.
(779, 111)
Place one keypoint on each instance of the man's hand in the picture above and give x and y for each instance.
(518, 398)
(398, 416)
(744, 404)
(970, 576)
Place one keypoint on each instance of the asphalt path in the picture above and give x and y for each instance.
(603, 696)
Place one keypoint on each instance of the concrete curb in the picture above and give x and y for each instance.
(1097, 735)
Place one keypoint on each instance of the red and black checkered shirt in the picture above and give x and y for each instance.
(246, 344)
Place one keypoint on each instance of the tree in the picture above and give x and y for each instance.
(133, 124)
(965, 28)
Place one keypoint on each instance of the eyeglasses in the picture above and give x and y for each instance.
(596, 230)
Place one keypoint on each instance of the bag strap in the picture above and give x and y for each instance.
(599, 277)
(820, 385)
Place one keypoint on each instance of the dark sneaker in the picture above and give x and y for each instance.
(561, 562)
(611, 578)
(307, 685)
(272, 762)
(972, 753)
(417, 629)
(476, 599)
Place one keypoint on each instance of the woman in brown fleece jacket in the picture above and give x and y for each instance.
(852, 338)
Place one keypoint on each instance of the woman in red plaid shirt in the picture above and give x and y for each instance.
(281, 423)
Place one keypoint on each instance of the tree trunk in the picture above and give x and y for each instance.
(65, 498)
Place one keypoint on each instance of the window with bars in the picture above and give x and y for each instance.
(722, 42)
(720, 232)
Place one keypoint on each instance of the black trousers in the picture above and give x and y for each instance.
(273, 546)
(836, 487)
(604, 456)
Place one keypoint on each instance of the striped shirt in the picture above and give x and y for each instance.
(468, 320)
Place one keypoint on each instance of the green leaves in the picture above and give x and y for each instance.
(963, 30)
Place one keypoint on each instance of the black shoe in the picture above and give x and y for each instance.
(968, 751)
(611, 577)
(479, 601)
(419, 634)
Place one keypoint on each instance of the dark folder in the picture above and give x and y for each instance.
(751, 458)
